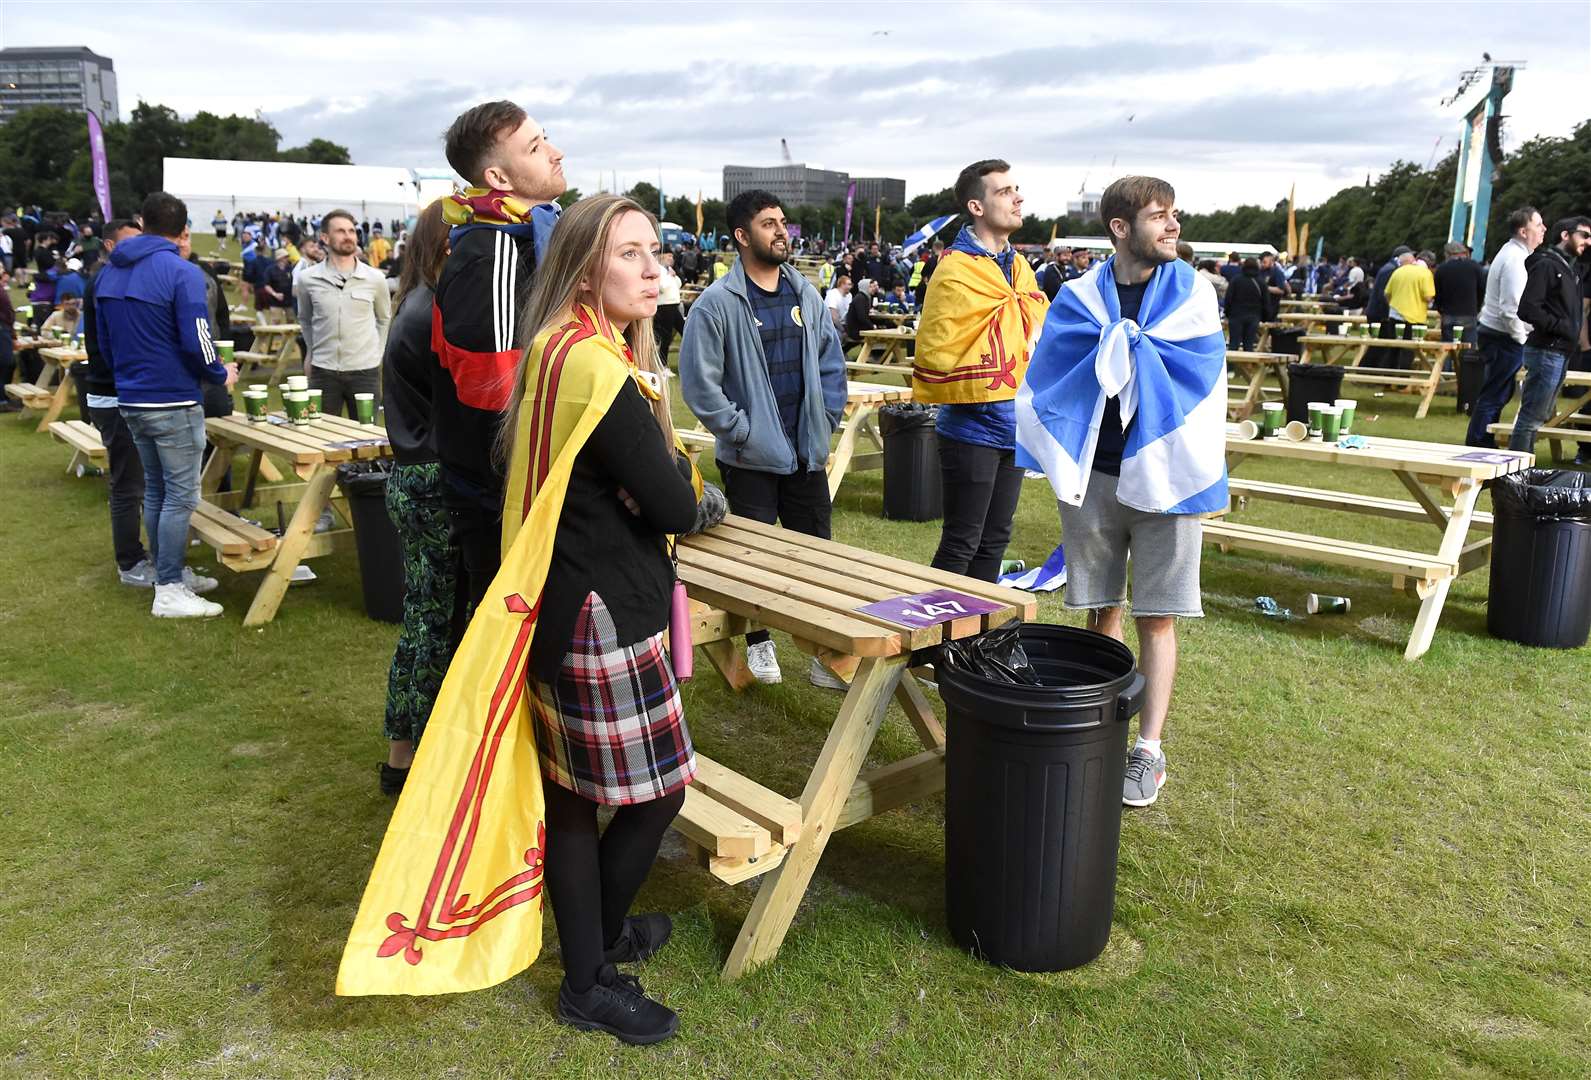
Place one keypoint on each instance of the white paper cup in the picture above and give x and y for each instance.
(1248, 429)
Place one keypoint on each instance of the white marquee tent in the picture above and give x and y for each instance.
(367, 191)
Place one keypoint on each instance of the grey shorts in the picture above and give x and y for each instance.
(1101, 534)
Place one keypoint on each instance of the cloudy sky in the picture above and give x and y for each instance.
(1231, 102)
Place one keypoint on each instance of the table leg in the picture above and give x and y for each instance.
(914, 703)
(256, 460)
(1428, 392)
(728, 661)
(846, 449)
(829, 786)
(290, 551)
(216, 467)
(1458, 524)
(52, 412)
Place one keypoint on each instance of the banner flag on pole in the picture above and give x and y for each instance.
(850, 202)
(926, 233)
(878, 218)
(96, 150)
(698, 217)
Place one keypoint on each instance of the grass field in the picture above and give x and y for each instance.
(1360, 867)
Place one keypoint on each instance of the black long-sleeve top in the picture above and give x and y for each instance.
(601, 547)
(1246, 298)
(407, 370)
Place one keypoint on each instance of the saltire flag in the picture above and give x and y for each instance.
(926, 233)
(1168, 372)
(1045, 578)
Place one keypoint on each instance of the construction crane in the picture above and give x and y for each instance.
(784, 148)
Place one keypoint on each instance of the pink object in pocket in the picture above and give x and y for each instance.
(681, 652)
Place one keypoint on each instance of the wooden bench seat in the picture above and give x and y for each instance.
(738, 828)
(247, 356)
(1556, 436)
(84, 440)
(238, 544)
(1398, 509)
(1418, 565)
(29, 395)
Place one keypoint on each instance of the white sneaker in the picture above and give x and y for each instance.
(763, 662)
(140, 576)
(197, 584)
(326, 522)
(176, 602)
(823, 677)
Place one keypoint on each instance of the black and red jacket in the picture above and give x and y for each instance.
(475, 333)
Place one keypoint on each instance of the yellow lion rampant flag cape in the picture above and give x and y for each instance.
(976, 332)
(455, 900)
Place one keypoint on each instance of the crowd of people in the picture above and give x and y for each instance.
(523, 357)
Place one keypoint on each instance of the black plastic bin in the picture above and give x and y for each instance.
(1288, 340)
(1540, 590)
(364, 483)
(912, 490)
(1033, 781)
(1471, 374)
(1311, 382)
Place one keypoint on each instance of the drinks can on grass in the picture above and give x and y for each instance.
(1347, 407)
(1316, 604)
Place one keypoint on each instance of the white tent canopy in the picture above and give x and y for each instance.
(377, 192)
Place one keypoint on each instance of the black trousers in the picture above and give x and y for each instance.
(1244, 332)
(339, 387)
(799, 501)
(1391, 358)
(592, 882)
(982, 485)
(126, 488)
(665, 324)
(476, 524)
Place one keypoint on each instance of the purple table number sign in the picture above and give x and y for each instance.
(929, 608)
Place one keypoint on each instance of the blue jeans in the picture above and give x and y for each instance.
(1543, 379)
(1502, 356)
(170, 444)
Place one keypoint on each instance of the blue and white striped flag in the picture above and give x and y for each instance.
(1046, 578)
(1167, 371)
(926, 233)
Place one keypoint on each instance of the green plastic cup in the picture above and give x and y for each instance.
(298, 406)
(1419, 333)
(314, 401)
(1315, 410)
(1273, 414)
(225, 348)
(1458, 334)
(365, 408)
(1347, 407)
(1330, 423)
(254, 401)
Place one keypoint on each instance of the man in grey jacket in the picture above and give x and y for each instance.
(761, 367)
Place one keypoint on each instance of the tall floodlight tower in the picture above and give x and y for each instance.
(1479, 154)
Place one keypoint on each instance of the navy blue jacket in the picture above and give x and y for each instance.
(154, 324)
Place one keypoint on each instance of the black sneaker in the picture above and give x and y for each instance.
(392, 779)
(618, 1005)
(642, 937)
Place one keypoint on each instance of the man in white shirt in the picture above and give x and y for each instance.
(669, 319)
(309, 254)
(344, 310)
(1500, 333)
(838, 301)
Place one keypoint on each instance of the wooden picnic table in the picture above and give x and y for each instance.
(311, 451)
(899, 318)
(1428, 471)
(274, 345)
(1299, 305)
(1432, 354)
(893, 341)
(742, 574)
(1256, 367)
(57, 378)
(1567, 425)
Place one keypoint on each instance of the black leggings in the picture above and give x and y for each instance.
(593, 882)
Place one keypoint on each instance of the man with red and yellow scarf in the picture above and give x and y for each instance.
(500, 225)
(981, 318)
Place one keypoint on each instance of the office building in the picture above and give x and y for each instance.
(798, 185)
(885, 191)
(70, 77)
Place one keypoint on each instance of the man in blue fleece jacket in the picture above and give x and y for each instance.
(154, 326)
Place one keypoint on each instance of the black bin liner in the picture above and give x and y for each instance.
(1540, 588)
(1034, 762)
(1311, 382)
(364, 484)
(912, 490)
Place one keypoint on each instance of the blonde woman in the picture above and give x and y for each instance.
(606, 709)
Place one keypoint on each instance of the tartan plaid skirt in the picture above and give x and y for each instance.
(611, 727)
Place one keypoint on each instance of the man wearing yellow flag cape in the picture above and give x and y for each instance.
(561, 696)
(981, 318)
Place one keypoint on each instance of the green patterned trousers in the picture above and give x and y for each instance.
(430, 576)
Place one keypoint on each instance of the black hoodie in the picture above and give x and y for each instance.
(1551, 301)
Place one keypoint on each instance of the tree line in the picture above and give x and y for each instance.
(44, 160)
